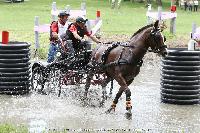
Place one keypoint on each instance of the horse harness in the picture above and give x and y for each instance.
(120, 61)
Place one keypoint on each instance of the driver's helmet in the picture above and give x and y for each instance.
(81, 20)
(63, 13)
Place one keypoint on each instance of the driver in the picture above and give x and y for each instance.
(76, 32)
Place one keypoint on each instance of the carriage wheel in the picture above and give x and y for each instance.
(54, 85)
(37, 80)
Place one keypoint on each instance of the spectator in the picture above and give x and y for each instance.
(185, 5)
(182, 4)
(196, 4)
(190, 5)
(113, 4)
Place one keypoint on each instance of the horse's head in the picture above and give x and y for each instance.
(157, 40)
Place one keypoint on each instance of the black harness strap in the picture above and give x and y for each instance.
(107, 52)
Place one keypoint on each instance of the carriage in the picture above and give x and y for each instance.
(67, 69)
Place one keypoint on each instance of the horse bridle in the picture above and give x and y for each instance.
(157, 48)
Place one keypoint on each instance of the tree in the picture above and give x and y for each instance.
(159, 2)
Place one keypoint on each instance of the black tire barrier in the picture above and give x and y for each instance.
(181, 87)
(12, 61)
(14, 83)
(182, 52)
(182, 58)
(16, 65)
(14, 79)
(15, 46)
(179, 82)
(180, 102)
(180, 73)
(15, 90)
(19, 74)
(180, 96)
(14, 56)
(14, 68)
(181, 92)
(21, 51)
(180, 77)
(181, 63)
(22, 91)
(180, 68)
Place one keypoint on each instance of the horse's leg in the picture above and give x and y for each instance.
(122, 83)
(128, 114)
(118, 95)
(111, 88)
(88, 82)
(128, 104)
(104, 92)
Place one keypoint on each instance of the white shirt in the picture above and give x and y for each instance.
(192, 44)
(196, 2)
(62, 28)
(191, 2)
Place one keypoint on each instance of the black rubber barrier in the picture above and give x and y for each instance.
(16, 65)
(12, 61)
(21, 51)
(14, 68)
(19, 74)
(180, 77)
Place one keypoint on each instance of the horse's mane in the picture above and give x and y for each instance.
(141, 29)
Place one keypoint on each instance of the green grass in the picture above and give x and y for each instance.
(8, 128)
(18, 18)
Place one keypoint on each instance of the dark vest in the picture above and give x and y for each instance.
(80, 32)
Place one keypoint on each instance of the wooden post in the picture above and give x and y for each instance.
(98, 15)
(83, 7)
(148, 17)
(67, 8)
(173, 26)
(37, 45)
(159, 13)
(171, 3)
(36, 32)
(54, 9)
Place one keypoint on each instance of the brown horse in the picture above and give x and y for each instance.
(122, 61)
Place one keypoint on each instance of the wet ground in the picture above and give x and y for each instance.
(40, 112)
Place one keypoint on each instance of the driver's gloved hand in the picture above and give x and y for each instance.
(83, 40)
